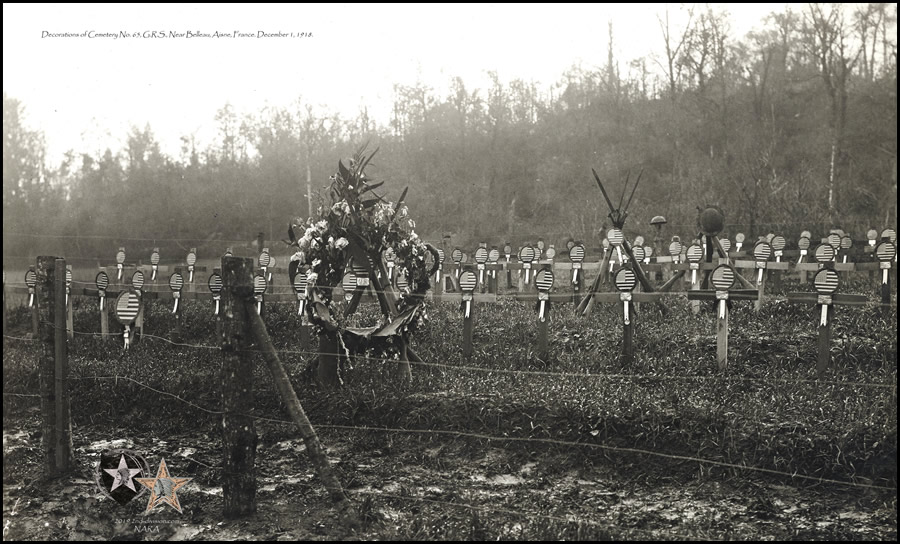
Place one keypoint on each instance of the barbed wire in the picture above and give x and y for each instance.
(480, 436)
(470, 368)
(133, 239)
(544, 373)
(546, 235)
(19, 338)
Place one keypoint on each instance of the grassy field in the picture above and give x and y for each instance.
(502, 444)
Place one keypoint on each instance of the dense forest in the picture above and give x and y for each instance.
(788, 128)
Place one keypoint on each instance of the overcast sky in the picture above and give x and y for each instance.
(85, 93)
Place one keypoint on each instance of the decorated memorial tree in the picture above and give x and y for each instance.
(352, 231)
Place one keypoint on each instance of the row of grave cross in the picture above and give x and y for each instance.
(128, 303)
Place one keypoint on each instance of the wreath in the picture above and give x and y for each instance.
(354, 230)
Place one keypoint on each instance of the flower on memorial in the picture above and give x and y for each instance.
(355, 213)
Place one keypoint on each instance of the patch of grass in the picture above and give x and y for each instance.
(766, 410)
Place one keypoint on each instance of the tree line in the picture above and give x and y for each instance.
(787, 128)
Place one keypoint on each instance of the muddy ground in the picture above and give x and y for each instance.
(422, 486)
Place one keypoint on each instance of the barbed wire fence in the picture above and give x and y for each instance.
(505, 439)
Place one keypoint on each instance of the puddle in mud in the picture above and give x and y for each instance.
(499, 479)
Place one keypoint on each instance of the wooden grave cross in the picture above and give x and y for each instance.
(259, 290)
(402, 283)
(137, 283)
(457, 256)
(493, 258)
(389, 259)
(543, 280)
(507, 251)
(778, 244)
(101, 280)
(191, 260)
(176, 284)
(70, 318)
(439, 273)
(127, 309)
(576, 256)
(826, 283)
(616, 238)
(215, 287)
(872, 237)
(526, 258)
(31, 282)
(348, 283)
(738, 241)
(120, 263)
(723, 279)
(846, 244)
(481, 257)
(154, 263)
(301, 288)
(891, 235)
(264, 261)
(467, 283)
(885, 252)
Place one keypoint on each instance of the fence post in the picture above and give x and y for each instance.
(238, 430)
(50, 295)
(289, 397)
(4, 307)
(35, 329)
(69, 304)
(61, 331)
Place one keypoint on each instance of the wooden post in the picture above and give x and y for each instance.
(43, 301)
(238, 429)
(468, 325)
(176, 329)
(51, 292)
(826, 282)
(139, 320)
(35, 308)
(4, 307)
(543, 349)
(722, 337)
(695, 304)
(761, 289)
(61, 318)
(329, 360)
(823, 362)
(722, 298)
(295, 409)
(885, 284)
(304, 333)
(543, 325)
(438, 287)
(104, 318)
(628, 330)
